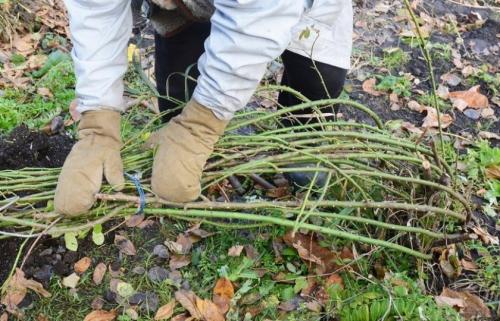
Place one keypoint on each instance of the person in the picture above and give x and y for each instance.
(232, 50)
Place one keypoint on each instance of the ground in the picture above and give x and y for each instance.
(264, 273)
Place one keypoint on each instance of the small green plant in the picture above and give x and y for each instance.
(440, 51)
(428, 100)
(400, 85)
(482, 75)
(395, 58)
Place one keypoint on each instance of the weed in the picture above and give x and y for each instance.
(399, 85)
(440, 51)
(428, 100)
(395, 58)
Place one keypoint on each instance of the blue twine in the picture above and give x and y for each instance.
(140, 190)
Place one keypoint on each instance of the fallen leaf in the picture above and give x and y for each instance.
(251, 252)
(469, 305)
(334, 279)
(132, 313)
(188, 301)
(71, 281)
(488, 135)
(165, 312)
(411, 128)
(135, 220)
(146, 223)
(451, 79)
(40, 317)
(179, 261)
(4, 317)
(101, 315)
(17, 289)
(75, 115)
(44, 92)
(493, 172)
(487, 112)
(209, 311)
(24, 45)
(197, 231)
(314, 306)
(181, 317)
(97, 303)
(486, 237)
(443, 92)
(369, 87)
(235, 251)
(182, 246)
(125, 245)
(309, 250)
(469, 265)
(82, 265)
(431, 119)
(223, 293)
(99, 272)
(472, 98)
(124, 289)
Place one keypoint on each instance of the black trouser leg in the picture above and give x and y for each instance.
(301, 75)
(173, 56)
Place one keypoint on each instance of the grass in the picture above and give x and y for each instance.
(364, 297)
(34, 109)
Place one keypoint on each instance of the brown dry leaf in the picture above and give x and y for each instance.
(135, 220)
(125, 245)
(486, 237)
(146, 223)
(470, 98)
(40, 317)
(493, 172)
(251, 252)
(179, 261)
(181, 317)
(82, 265)
(75, 115)
(369, 87)
(443, 92)
(101, 315)
(71, 281)
(99, 272)
(334, 279)
(97, 303)
(17, 288)
(4, 317)
(44, 92)
(24, 45)
(411, 128)
(223, 293)
(195, 230)
(488, 135)
(209, 310)
(309, 250)
(165, 312)
(431, 120)
(469, 305)
(235, 250)
(188, 301)
(182, 245)
(469, 265)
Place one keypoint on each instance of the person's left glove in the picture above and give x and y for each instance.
(96, 152)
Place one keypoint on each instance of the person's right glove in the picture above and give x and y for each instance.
(184, 146)
(96, 152)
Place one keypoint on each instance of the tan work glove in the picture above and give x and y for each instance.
(96, 152)
(185, 144)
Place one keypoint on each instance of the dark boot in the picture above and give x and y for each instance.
(303, 75)
(173, 57)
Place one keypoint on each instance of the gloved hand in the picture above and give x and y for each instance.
(185, 144)
(96, 152)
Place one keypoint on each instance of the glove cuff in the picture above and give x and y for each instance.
(195, 114)
(104, 123)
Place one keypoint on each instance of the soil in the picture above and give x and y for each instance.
(26, 148)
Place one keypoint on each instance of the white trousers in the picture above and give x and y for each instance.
(246, 35)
